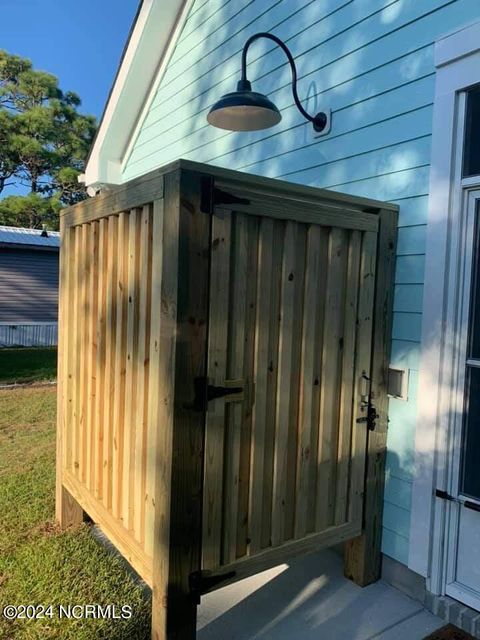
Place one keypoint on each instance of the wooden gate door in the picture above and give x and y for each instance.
(289, 358)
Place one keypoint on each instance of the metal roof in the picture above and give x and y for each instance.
(31, 237)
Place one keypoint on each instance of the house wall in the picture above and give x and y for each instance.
(371, 63)
(28, 286)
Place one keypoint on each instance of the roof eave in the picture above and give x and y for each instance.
(148, 40)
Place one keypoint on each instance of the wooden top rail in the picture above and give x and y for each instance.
(150, 187)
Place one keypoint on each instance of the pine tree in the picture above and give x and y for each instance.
(44, 142)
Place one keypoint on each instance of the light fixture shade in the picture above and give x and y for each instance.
(244, 110)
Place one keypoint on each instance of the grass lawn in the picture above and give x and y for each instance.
(28, 365)
(39, 564)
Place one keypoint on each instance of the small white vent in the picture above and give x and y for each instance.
(398, 383)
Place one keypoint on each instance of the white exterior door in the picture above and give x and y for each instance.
(463, 515)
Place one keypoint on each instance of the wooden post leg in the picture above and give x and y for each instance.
(180, 426)
(68, 511)
(363, 557)
(173, 617)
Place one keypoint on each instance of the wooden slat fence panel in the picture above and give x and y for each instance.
(289, 308)
(112, 301)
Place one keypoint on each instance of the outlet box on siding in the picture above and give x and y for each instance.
(328, 126)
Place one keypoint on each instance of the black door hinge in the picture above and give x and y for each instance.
(204, 393)
(211, 195)
(206, 194)
(203, 581)
(468, 504)
(223, 197)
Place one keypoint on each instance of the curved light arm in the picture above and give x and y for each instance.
(319, 119)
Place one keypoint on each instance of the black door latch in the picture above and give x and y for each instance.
(370, 418)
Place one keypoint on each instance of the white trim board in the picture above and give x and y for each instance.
(457, 58)
(157, 25)
(164, 61)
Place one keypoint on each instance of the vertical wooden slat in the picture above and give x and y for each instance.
(131, 370)
(348, 374)
(293, 425)
(68, 337)
(217, 373)
(248, 371)
(311, 375)
(100, 361)
(62, 367)
(261, 368)
(158, 379)
(91, 348)
(234, 411)
(272, 381)
(146, 395)
(77, 342)
(110, 340)
(283, 404)
(121, 293)
(142, 374)
(82, 311)
(319, 376)
(68, 511)
(329, 395)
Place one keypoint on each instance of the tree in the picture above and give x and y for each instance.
(44, 142)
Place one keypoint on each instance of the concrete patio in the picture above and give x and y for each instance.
(310, 599)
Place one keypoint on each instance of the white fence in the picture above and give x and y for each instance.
(28, 335)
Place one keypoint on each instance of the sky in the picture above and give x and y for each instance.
(79, 41)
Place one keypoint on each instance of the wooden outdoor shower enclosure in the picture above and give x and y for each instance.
(222, 376)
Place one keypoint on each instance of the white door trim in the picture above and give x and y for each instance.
(457, 60)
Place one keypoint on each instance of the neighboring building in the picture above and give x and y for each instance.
(28, 287)
(401, 78)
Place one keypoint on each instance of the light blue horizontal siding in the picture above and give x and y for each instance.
(405, 354)
(411, 240)
(396, 519)
(410, 269)
(398, 492)
(395, 545)
(408, 298)
(407, 326)
(371, 63)
(398, 479)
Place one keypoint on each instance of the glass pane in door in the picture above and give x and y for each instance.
(474, 321)
(471, 152)
(471, 439)
(470, 479)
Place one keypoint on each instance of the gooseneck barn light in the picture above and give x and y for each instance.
(247, 110)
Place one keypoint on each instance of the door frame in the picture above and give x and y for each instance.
(457, 61)
(469, 206)
(362, 558)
